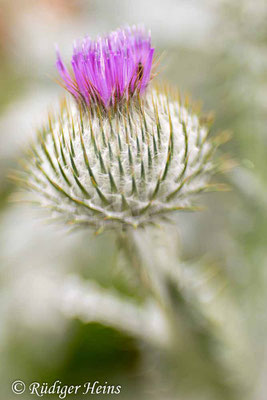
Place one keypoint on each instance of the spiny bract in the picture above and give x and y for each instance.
(131, 167)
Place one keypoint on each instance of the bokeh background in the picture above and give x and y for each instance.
(70, 306)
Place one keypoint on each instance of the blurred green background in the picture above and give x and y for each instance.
(71, 308)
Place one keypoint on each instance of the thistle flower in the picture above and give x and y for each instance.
(109, 69)
(118, 167)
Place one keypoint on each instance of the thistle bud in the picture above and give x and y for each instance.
(121, 153)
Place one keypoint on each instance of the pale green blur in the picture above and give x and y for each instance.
(217, 52)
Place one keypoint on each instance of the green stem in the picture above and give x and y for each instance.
(131, 252)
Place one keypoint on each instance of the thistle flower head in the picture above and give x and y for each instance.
(118, 167)
(125, 169)
(109, 69)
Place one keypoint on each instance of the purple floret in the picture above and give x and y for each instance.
(109, 69)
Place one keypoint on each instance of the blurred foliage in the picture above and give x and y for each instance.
(219, 303)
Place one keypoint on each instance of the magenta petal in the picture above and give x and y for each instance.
(112, 67)
(70, 85)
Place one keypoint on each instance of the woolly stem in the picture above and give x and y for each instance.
(131, 251)
(191, 333)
